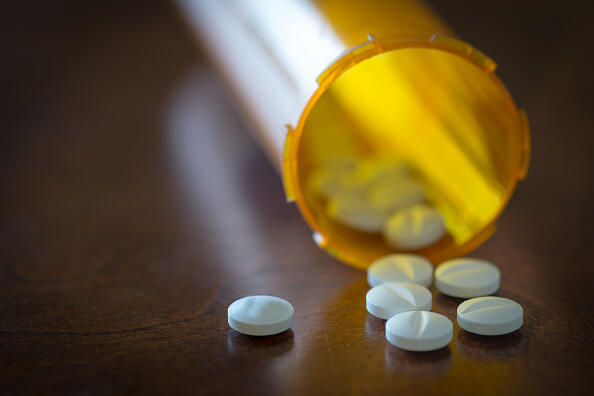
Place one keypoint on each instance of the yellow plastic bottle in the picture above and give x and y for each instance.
(336, 78)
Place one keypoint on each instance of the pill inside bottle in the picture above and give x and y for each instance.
(379, 197)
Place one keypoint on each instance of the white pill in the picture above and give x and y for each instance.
(260, 315)
(400, 268)
(389, 299)
(396, 194)
(414, 227)
(490, 315)
(467, 277)
(419, 331)
(328, 184)
(356, 213)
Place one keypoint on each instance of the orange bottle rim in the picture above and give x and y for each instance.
(351, 58)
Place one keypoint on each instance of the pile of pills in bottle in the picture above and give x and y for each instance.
(379, 196)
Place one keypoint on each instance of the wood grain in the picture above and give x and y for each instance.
(135, 207)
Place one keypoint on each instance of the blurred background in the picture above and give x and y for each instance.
(98, 67)
(135, 206)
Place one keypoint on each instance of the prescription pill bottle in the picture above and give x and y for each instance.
(329, 79)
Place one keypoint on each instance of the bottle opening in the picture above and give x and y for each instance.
(447, 123)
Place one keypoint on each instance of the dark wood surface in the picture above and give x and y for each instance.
(135, 207)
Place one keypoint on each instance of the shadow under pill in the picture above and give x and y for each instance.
(276, 345)
(489, 348)
(418, 363)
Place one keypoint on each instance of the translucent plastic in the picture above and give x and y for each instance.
(357, 79)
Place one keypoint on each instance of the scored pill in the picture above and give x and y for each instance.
(414, 227)
(389, 299)
(419, 331)
(400, 268)
(260, 315)
(467, 277)
(490, 315)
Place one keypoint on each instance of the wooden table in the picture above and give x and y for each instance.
(135, 207)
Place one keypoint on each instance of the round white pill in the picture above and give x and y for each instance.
(260, 315)
(490, 315)
(419, 331)
(467, 277)
(414, 227)
(389, 299)
(400, 268)
(356, 213)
